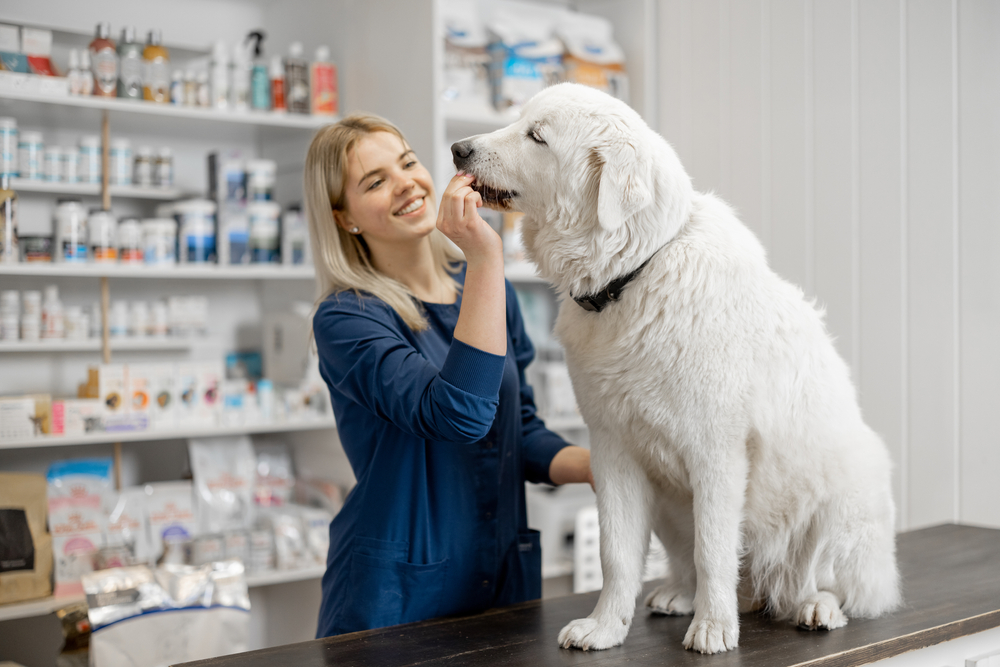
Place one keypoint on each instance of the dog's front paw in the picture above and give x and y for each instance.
(821, 612)
(711, 635)
(667, 600)
(589, 634)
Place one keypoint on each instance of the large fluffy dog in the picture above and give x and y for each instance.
(720, 414)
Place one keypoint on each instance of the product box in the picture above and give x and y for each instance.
(153, 391)
(170, 514)
(26, 547)
(112, 388)
(79, 415)
(12, 57)
(127, 523)
(17, 417)
(77, 492)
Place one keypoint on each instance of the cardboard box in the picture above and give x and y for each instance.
(26, 553)
(17, 417)
(112, 388)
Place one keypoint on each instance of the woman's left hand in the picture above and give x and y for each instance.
(571, 464)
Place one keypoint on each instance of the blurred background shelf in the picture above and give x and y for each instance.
(94, 345)
(208, 271)
(94, 190)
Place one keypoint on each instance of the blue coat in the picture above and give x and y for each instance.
(441, 437)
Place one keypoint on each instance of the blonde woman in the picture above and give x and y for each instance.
(424, 353)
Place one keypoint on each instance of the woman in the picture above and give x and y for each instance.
(424, 355)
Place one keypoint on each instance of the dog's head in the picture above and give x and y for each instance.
(599, 189)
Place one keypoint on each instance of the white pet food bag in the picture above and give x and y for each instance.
(78, 491)
(170, 513)
(224, 474)
(466, 59)
(593, 57)
(317, 532)
(127, 523)
(274, 477)
(525, 55)
(209, 614)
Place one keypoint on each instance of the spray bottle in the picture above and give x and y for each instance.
(260, 82)
(296, 80)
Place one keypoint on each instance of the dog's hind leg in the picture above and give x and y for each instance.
(624, 497)
(674, 525)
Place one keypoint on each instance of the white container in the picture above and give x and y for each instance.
(294, 238)
(159, 241)
(52, 166)
(261, 175)
(10, 327)
(8, 146)
(118, 319)
(77, 323)
(121, 162)
(130, 243)
(102, 235)
(220, 76)
(163, 170)
(94, 320)
(53, 318)
(143, 170)
(31, 328)
(32, 304)
(70, 231)
(159, 319)
(90, 159)
(10, 302)
(138, 319)
(196, 236)
(30, 155)
(69, 170)
(264, 231)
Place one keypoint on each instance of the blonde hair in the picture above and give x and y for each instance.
(342, 259)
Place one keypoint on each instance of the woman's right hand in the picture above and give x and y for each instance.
(459, 220)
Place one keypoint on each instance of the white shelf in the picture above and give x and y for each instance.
(22, 101)
(522, 272)
(49, 605)
(94, 190)
(474, 117)
(208, 271)
(94, 345)
(165, 434)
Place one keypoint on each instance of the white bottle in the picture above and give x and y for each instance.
(86, 78)
(239, 79)
(53, 318)
(75, 84)
(220, 76)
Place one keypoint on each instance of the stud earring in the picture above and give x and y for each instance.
(355, 230)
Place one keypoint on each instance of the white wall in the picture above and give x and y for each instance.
(861, 141)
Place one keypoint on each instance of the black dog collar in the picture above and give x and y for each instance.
(612, 291)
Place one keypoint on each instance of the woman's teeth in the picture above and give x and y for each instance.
(411, 208)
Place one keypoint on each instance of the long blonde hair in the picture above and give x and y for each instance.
(342, 259)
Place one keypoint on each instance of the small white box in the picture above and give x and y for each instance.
(36, 42)
(112, 387)
(17, 418)
(82, 415)
(10, 38)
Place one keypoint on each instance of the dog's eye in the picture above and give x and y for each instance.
(536, 137)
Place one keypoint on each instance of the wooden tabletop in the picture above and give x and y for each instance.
(951, 587)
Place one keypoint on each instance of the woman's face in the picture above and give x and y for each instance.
(389, 194)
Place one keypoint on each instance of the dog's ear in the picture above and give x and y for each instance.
(622, 188)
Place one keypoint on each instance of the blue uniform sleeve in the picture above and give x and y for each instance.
(540, 444)
(364, 355)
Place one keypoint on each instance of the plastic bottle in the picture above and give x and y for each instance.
(8, 221)
(260, 81)
(104, 61)
(278, 85)
(70, 231)
(30, 155)
(86, 73)
(203, 97)
(323, 84)
(53, 318)
(130, 242)
(8, 146)
(265, 236)
(142, 173)
(90, 159)
(294, 237)
(296, 80)
(74, 74)
(156, 83)
(130, 64)
(163, 172)
(239, 79)
(190, 88)
(102, 232)
(177, 88)
(220, 76)
(120, 167)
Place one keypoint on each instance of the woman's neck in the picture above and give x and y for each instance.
(415, 268)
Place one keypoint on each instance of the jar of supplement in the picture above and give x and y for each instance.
(8, 221)
(70, 165)
(163, 175)
(159, 241)
(158, 319)
(35, 248)
(53, 317)
(102, 232)
(260, 180)
(121, 162)
(31, 316)
(52, 165)
(71, 231)
(264, 231)
(77, 324)
(10, 315)
(90, 159)
(30, 152)
(143, 172)
(118, 318)
(196, 237)
(138, 319)
(130, 241)
(8, 146)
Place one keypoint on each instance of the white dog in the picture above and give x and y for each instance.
(721, 416)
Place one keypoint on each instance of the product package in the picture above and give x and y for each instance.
(274, 479)
(78, 491)
(78, 416)
(224, 474)
(25, 544)
(170, 515)
(155, 386)
(209, 608)
(127, 523)
(593, 58)
(466, 60)
(17, 417)
(525, 55)
(316, 523)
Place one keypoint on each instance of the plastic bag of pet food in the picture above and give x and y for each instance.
(209, 614)
(274, 477)
(170, 515)
(224, 472)
(525, 55)
(290, 549)
(593, 57)
(127, 524)
(25, 544)
(466, 59)
(78, 491)
(316, 523)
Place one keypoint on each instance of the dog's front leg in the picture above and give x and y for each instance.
(718, 480)
(624, 497)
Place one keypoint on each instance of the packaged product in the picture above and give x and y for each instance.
(525, 55)
(78, 491)
(466, 59)
(316, 523)
(127, 523)
(208, 549)
(224, 473)
(17, 417)
(236, 544)
(112, 386)
(290, 549)
(170, 515)
(26, 546)
(153, 390)
(209, 608)
(261, 549)
(274, 479)
(78, 416)
(593, 57)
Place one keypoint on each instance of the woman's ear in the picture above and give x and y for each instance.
(341, 219)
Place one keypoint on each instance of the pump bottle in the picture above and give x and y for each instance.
(260, 83)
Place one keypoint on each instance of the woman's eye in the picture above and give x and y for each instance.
(411, 163)
(375, 184)
(536, 137)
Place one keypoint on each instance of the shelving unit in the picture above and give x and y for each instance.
(150, 344)
(186, 271)
(94, 190)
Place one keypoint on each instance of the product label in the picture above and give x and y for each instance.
(105, 66)
(17, 549)
(131, 255)
(74, 252)
(158, 78)
(8, 226)
(130, 79)
(324, 90)
(104, 254)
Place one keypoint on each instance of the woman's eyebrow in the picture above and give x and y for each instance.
(375, 171)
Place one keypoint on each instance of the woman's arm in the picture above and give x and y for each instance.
(571, 464)
(482, 319)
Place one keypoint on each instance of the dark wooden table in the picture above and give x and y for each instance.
(951, 585)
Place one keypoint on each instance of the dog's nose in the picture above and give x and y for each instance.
(461, 152)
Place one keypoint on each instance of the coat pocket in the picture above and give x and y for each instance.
(386, 592)
(523, 576)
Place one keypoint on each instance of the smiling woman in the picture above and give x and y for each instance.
(424, 356)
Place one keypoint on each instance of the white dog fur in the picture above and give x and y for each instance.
(721, 416)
